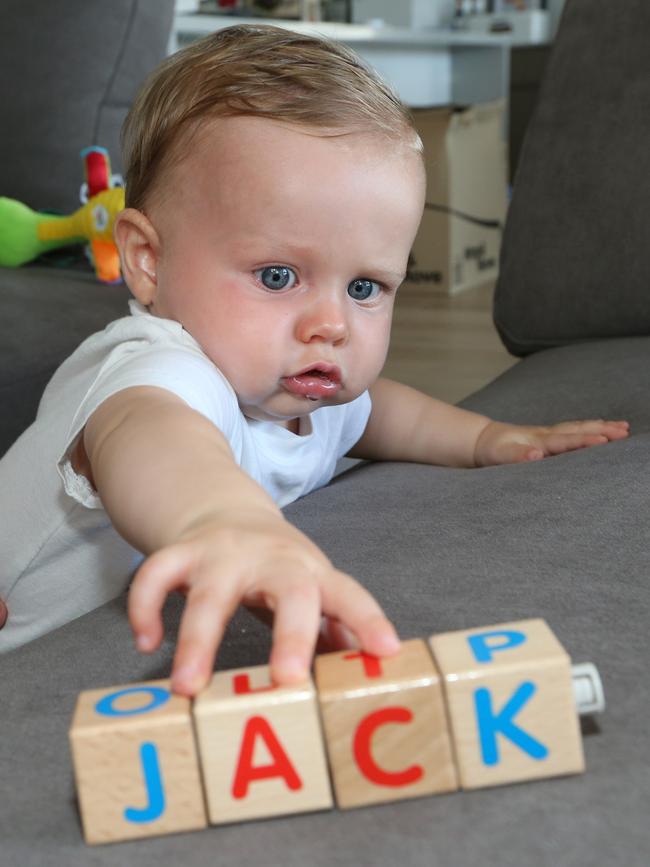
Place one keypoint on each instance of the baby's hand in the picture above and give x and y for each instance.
(260, 560)
(511, 444)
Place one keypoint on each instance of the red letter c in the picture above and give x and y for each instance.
(362, 754)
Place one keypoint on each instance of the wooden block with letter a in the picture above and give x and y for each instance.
(261, 747)
(135, 762)
(385, 725)
(511, 704)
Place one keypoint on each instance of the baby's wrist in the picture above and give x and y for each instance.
(482, 443)
(222, 517)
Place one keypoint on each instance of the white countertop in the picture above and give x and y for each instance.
(355, 34)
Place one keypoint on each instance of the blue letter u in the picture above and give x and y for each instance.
(153, 784)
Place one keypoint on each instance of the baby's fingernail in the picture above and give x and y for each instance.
(187, 680)
(389, 643)
(292, 669)
(144, 642)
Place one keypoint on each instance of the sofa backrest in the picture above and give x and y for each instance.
(70, 70)
(575, 262)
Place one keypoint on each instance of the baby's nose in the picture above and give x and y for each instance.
(325, 319)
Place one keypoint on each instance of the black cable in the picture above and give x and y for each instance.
(445, 209)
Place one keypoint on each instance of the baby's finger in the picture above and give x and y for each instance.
(556, 444)
(346, 600)
(334, 635)
(616, 430)
(295, 630)
(610, 429)
(160, 573)
(207, 612)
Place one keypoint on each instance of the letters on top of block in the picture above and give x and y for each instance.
(510, 702)
(136, 765)
(385, 725)
(261, 747)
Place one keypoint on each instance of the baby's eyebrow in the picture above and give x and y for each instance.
(388, 276)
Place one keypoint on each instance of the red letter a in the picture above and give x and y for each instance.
(280, 767)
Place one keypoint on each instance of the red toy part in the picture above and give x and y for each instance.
(98, 170)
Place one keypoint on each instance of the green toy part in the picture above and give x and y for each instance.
(19, 238)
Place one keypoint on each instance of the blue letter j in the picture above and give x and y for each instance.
(153, 784)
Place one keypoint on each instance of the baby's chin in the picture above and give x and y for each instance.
(287, 408)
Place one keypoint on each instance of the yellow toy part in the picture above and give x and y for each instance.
(26, 234)
(93, 222)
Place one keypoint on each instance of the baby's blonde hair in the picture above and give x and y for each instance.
(261, 71)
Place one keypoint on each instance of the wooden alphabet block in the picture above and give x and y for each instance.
(385, 725)
(135, 762)
(261, 747)
(510, 701)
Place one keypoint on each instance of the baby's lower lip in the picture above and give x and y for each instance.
(311, 384)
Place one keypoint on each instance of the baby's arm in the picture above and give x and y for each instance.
(168, 480)
(407, 425)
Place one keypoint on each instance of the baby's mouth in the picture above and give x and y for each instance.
(322, 380)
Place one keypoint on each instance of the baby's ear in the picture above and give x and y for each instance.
(138, 245)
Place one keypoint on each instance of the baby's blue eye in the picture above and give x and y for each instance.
(363, 290)
(276, 277)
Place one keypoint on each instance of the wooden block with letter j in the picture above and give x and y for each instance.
(261, 747)
(385, 725)
(135, 763)
(511, 703)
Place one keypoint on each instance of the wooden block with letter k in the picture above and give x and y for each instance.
(385, 725)
(511, 703)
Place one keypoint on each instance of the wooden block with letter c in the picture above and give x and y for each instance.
(385, 725)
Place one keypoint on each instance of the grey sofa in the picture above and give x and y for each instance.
(564, 539)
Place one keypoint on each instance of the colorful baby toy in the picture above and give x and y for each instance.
(26, 234)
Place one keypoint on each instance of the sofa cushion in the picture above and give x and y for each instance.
(599, 379)
(442, 549)
(81, 64)
(45, 313)
(574, 264)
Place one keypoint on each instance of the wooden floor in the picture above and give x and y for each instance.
(445, 346)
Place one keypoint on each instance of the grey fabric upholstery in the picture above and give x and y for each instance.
(70, 72)
(45, 314)
(565, 539)
(575, 263)
(81, 63)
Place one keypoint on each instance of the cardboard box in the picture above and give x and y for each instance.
(458, 242)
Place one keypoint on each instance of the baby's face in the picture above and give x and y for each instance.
(281, 252)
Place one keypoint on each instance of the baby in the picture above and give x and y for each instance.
(274, 189)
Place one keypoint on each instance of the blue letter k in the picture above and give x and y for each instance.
(491, 724)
